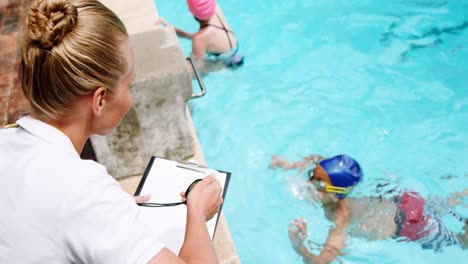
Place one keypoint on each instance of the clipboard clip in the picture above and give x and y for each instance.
(190, 165)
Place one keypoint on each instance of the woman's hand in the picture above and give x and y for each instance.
(142, 198)
(298, 233)
(205, 197)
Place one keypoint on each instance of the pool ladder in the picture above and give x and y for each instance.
(199, 80)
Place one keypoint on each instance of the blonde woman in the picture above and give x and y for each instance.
(77, 67)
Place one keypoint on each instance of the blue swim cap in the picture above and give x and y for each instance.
(343, 171)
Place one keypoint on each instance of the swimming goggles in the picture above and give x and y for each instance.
(325, 187)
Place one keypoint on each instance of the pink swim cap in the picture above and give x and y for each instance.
(202, 9)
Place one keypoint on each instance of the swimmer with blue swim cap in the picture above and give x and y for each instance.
(402, 216)
(338, 174)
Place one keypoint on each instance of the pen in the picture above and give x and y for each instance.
(11, 126)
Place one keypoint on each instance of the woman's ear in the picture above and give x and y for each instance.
(99, 100)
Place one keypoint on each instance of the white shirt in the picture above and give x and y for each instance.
(57, 208)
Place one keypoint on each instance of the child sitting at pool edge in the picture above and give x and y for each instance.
(372, 218)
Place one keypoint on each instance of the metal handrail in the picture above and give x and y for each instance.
(199, 80)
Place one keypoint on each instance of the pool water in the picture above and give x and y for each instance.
(383, 81)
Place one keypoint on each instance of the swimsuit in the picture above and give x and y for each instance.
(414, 225)
(230, 57)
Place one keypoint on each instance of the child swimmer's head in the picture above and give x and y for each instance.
(338, 174)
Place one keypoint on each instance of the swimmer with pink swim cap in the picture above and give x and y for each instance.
(402, 215)
(214, 45)
(202, 9)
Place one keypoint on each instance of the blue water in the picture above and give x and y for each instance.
(383, 81)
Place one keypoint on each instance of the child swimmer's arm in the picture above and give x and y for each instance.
(297, 235)
(277, 161)
(183, 34)
(332, 247)
(179, 32)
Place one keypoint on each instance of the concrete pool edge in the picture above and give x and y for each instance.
(223, 243)
(167, 77)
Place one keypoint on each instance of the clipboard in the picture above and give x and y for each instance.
(165, 179)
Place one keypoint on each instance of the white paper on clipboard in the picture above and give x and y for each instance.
(165, 179)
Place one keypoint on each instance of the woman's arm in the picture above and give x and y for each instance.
(456, 198)
(201, 207)
(203, 202)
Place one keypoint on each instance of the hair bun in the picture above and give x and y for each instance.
(50, 20)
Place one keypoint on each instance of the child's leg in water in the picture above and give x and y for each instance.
(463, 236)
(456, 198)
